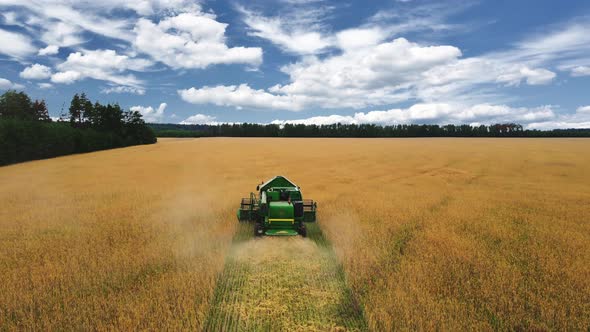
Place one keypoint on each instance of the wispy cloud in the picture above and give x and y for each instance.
(123, 89)
(298, 30)
(16, 45)
(176, 33)
(423, 17)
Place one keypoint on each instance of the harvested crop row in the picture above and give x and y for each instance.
(282, 283)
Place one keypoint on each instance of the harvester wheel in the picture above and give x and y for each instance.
(303, 231)
(258, 229)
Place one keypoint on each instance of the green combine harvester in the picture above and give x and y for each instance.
(278, 209)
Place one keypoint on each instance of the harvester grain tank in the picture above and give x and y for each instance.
(278, 208)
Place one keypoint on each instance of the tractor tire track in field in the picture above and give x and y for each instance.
(283, 284)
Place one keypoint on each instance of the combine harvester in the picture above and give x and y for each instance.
(279, 208)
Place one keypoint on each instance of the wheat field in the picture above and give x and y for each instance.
(429, 234)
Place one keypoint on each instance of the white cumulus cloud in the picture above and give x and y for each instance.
(436, 113)
(373, 73)
(579, 119)
(357, 78)
(66, 77)
(191, 40)
(7, 84)
(36, 72)
(240, 96)
(201, 119)
(372, 70)
(351, 39)
(149, 113)
(49, 50)
(105, 65)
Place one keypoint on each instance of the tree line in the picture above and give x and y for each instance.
(27, 132)
(359, 130)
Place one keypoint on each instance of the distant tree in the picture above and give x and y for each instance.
(16, 105)
(96, 118)
(26, 131)
(40, 111)
(136, 130)
(133, 118)
(353, 130)
(110, 117)
(88, 114)
(75, 110)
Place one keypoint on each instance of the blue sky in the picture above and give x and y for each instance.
(306, 61)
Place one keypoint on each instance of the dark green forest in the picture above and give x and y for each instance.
(27, 132)
(363, 130)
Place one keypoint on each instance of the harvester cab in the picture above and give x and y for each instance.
(278, 208)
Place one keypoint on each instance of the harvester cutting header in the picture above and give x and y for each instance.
(278, 209)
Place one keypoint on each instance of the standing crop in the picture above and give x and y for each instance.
(427, 234)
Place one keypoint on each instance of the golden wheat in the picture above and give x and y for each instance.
(431, 233)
